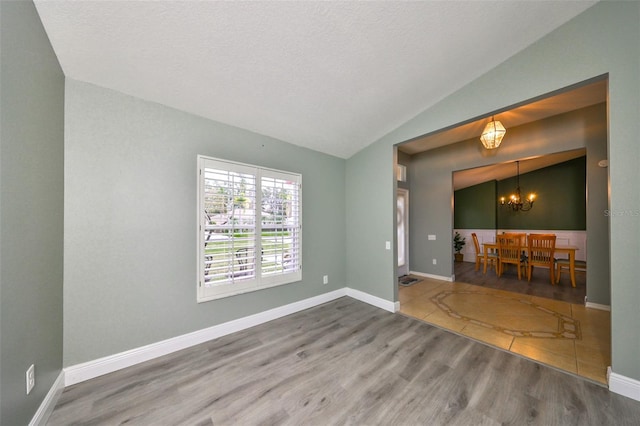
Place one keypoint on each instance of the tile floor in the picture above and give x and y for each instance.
(567, 336)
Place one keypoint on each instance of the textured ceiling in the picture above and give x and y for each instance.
(330, 76)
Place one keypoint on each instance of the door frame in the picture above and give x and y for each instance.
(403, 194)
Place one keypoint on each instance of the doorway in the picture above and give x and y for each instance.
(402, 218)
(435, 156)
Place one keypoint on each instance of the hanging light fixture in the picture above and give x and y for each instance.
(515, 201)
(492, 135)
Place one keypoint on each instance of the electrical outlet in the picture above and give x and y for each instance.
(434, 261)
(31, 378)
(325, 279)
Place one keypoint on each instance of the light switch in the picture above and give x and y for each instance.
(432, 237)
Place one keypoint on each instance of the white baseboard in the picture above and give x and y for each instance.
(89, 370)
(373, 300)
(624, 386)
(597, 306)
(49, 402)
(435, 277)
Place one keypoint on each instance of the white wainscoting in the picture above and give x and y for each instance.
(563, 238)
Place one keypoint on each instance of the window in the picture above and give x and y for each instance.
(250, 230)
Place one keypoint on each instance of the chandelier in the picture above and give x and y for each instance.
(515, 201)
(492, 135)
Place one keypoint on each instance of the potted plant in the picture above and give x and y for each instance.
(458, 244)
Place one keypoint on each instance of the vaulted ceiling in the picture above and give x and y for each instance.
(331, 76)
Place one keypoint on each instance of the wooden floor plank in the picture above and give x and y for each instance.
(344, 362)
(538, 286)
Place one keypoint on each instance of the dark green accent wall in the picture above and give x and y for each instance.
(560, 200)
(475, 207)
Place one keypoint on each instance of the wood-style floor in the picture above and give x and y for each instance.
(540, 285)
(342, 363)
(537, 320)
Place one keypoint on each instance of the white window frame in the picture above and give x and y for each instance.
(259, 278)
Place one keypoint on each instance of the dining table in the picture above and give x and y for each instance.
(569, 250)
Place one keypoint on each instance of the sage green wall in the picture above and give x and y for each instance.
(31, 211)
(365, 243)
(598, 239)
(475, 207)
(561, 201)
(603, 39)
(130, 221)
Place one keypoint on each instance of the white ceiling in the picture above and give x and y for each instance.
(330, 76)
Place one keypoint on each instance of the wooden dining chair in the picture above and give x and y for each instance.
(541, 251)
(523, 243)
(492, 258)
(579, 265)
(510, 247)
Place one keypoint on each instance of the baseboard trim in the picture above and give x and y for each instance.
(49, 402)
(89, 370)
(373, 300)
(435, 277)
(597, 306)
(624, 386)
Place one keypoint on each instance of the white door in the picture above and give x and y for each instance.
(402, 214)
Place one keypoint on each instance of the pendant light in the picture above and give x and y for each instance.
(492, 135)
